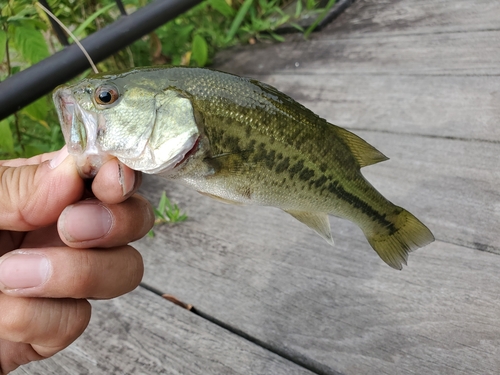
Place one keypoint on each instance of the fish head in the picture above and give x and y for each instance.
(148, 128)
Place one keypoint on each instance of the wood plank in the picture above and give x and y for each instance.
(141, 333)
(415, 17)
(424, 90)
(450, 184)
(426, 54)
(453, 107)
(438, 81)
(266, 274)
(421, 84)
(218, 246)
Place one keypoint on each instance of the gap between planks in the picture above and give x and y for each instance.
(451, 138)
(420, 33)
(371, 74)
(302, 361)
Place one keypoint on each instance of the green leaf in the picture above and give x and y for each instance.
(240, 16)
(30, 44)
(3, 44)
(21, 10)
(6, 138)
(37, 110)
(18, 20)
(222, 7)
(277, 37)
(91, 19)
(162, 204)
(297, 26)
(166, 212)
(320, 18)
(200, 50)
(298, 9)
(31, 150)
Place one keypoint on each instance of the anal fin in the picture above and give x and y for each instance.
(318, 221)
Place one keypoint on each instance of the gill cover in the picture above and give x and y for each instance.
(174, 133)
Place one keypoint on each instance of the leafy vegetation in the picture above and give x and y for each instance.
(167, 213)
(191, 39)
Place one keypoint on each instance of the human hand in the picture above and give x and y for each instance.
(58, 249)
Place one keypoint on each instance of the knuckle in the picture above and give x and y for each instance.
(84, 278)
(16, 315)
(74, 317)
(135, 269)
(121, 276)
(43, 321)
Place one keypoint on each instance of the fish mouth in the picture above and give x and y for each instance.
(65, 105)
(79, 129)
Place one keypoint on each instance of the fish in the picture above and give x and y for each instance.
(239, 141)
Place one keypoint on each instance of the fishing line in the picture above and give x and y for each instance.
(49, 13)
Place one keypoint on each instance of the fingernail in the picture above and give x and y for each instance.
(59, 157)
(20, 271)
(84, 221)
(127, 180)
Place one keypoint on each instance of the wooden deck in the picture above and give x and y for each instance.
(420, 80)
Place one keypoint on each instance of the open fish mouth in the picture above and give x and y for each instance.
(80, 131)
(65, 105)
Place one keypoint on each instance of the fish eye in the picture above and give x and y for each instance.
(106, 95)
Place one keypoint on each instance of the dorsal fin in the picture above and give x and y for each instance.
(364, 152)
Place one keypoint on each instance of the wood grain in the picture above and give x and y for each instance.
(141, 333)
(377, 17)
(450, 107)
(341, 308)
(430, 67)
(419, 80)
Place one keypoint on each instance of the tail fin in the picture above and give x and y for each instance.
(410, 234)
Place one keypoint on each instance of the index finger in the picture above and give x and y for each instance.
(33, 196)
(37, 159)
(115, 182)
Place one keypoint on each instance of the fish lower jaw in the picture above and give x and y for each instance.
(89, 165)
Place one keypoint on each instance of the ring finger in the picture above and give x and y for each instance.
(61, 272)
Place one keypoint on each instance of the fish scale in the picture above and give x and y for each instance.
(240, 141)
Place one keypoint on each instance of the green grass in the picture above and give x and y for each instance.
(167, 213)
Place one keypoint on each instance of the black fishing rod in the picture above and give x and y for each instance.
(28, 85)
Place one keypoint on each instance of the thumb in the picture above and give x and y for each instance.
(33, 196)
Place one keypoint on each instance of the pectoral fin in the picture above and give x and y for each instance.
(315, 220)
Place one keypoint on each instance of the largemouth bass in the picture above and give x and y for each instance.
(239, 141)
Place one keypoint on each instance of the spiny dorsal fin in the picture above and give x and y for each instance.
(317, 221)
(364, 152)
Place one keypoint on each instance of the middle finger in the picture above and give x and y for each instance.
(92, 223)
(61, 272)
